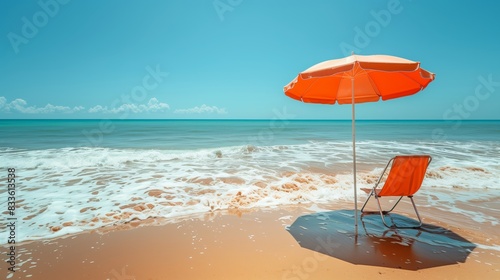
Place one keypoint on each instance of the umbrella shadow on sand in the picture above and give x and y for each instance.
(332, 233)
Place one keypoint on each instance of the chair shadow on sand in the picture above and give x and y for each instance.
(332, 233)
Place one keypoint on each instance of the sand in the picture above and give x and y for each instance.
(232, 245)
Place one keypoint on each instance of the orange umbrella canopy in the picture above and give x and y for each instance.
(375, 77)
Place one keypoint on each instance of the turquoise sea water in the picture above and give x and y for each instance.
(86, 171)
(197, 134)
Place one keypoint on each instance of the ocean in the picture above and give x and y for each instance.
(78, 175)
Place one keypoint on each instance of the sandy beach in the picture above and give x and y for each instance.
(235, 245)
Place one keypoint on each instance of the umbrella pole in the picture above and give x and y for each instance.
(354, 157)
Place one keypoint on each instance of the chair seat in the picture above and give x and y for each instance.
(405, 177)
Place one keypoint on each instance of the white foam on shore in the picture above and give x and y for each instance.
(62, 191)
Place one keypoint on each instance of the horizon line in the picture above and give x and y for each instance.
(235, 119)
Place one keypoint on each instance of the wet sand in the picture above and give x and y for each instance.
(233, 245)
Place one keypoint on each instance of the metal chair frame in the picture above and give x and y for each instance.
(374, 192)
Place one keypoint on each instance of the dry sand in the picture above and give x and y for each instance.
(231, 245)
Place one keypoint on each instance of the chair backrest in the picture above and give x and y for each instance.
(406, 175)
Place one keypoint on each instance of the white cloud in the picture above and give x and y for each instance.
(153, 105)
(98, 109)
(3, 102)
(202, 109)
(21, 106)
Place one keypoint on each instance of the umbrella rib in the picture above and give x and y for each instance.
(315, 80)
(335, 97)
(307, 90)
(414, 79)
(404, 72)
(401, 72)
(374, 85)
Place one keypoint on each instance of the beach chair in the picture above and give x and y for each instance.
(404, 179)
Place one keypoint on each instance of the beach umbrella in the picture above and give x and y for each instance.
(375, 245)
(358, 79)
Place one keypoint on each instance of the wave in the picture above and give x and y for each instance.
(69, 190)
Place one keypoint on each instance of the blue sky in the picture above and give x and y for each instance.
(231, 58)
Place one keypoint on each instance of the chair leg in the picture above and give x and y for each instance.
(394, 206)
(416, 212)
(372, 193)
(394, 225)
(366, 201)
(382, 215)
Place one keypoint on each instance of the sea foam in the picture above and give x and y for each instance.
(69, 190)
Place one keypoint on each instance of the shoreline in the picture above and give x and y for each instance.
(232, 244)
(482, 210)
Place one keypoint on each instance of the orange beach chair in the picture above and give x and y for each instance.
(405, 178)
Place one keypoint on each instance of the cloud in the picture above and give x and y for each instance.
(202, 109)
(153, 105)
(98, 109)
(21, 106)
(3, 101)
